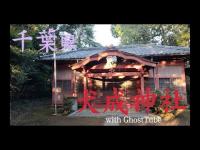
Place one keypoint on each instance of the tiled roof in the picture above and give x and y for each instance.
(142, 50)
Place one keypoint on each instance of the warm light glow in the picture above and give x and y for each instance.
(179, 82)
(135, 77)
(137, 66)
(184, 84)
(163, 62)
(109, 65)
(57, 90)
(173, 62)
(174, 75)
(128, 66)
(98, 83)
(121, 77)
(126, 84)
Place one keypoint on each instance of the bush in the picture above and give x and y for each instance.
(67, 105)
(157, 107)
(80, 105)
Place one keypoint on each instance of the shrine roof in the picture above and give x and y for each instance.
(142, 50)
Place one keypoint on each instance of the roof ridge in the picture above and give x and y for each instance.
(150, 44)
(138, 49)
(84, 49)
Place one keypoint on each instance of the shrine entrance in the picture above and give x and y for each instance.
(114, 69)
(129, 87)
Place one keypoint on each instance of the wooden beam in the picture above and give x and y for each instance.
(112, 74)
(170, 63)
(124, 55)
(119, 66)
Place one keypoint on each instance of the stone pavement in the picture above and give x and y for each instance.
(107, 114)
(88, 113)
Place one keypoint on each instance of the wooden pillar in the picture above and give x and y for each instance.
(85, 82)
(103, 83)
(75, 86)
(156, 79)
(184, 85)
(142, 84)
(84, 79)
(142, 80)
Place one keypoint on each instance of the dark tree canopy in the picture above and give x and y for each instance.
(31, 78)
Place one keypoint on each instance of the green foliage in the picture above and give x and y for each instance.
(32, 30)
(157, 107)
(169, 34)
(83, 34)
(131, 34)
(29, 77)
(183, 37)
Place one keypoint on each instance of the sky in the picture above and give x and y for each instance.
(103, 35)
